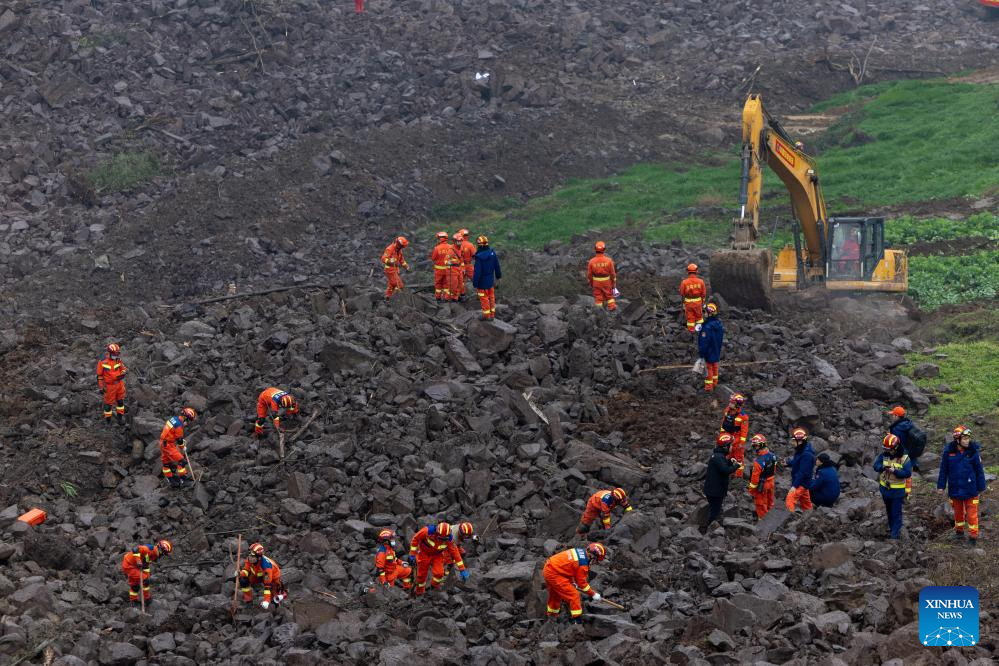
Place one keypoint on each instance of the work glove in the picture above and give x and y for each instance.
(596, 596)
(265, 604)
(406, 266)
(277, 423)
(697, 327)
(464, 575)
(181, 444)
(627, 509)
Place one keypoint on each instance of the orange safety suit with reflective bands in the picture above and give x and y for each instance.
(467, 252)
(429, 549)
(444, 258)
(761, 482)
(270, 401)
(390, 570)
(171, 445)
(457, 280)
(135, 564)
(111, 380)
(736, 423)
(565, 572)
(264, 572)
(392, 259)
(694, 293)
(602, 276)
(600, 505)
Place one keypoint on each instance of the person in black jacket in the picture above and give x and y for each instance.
(720, 469)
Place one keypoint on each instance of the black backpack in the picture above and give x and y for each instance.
(915, 441)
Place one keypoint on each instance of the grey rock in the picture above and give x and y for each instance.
(771, 398)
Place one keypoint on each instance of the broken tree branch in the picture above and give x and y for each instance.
(262, 292)
(688, 366)
(235, 587)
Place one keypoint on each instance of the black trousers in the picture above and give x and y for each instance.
(714, 509)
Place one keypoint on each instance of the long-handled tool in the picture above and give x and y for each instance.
(142, 592)
(612, 604)
(689, 366)
(235, 587)
(190, 467)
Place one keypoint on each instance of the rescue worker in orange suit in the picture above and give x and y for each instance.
(802, 465)
(259, 569)
(426, 551)
(136, 563)
(464, 531)
(392, 259)
(485, 275)
(694, 294)
(761, 482)
(358, 6)
(601, 503)
(736, 423)
(602, 276)
(443, 258)
(709, 346)
(458, 269)
(567, 574)
(111, 382)
(390, 570)
(272, 399)
(467, 253)
(172, 447)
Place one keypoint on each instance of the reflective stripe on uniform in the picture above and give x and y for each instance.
(600, 279)
(692, 300)
(440, 268)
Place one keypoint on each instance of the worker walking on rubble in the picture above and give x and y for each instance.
(258, 569)
(485, 275)
(458, 269)
(273, 400)
(464, 530)
(600, 504)
(426, 551)
(602, 276)
(567, 574)
(761, 481)
(111, 383)
(392, 259)
(802, 465)
(736, 423)
(721, 466)
(709, 346)
(912, 437)
(173, 448)
(136, 566)
(694, 294)
(443, 257)
(390, 570)
(893, 467)
(963, 475)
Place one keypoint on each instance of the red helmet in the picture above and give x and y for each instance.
(890, 442)
(401, 240)
(443, 529)
(189, 414)
(799, 434)
(257, 549)
(287, 401)
(386, 535)
(599, 246)
(759, 441)
(441, 235)
(737, 399)
(466, 529)
(725, 440)
(619, 495)
(464, 233)
(961, 431)
(597, 551)
(691, 268)
(165, 546)
(114, 349)
(711, 309)
(482, 240)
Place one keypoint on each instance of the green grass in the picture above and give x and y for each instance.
(936, 281)
(971, 370)
(124, 170)
(907, 230)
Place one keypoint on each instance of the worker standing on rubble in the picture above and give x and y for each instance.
(736, 423)
(824, 489)
(761, 481)
(443, 257)
(963, 475)
(709, 346)
(173, 446)
(464, 530)
(600, 504)
(358, 6)
(913, 439)
(567, 574)
(392, 259)
(802, 465)
(720, 469)
(467, 254)
(111, 382)
(458, 269)
(390, 570)
(485, 275)
(694, 294)
(426, 551)
(136, 563)
(259, 569)
(893, 467)
(602, 276)
(272, 399)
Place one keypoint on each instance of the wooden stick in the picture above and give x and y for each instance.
(328, 594)
(262, 292)
(298, 433)
(142, 592)
(235, 587)
(281, 445)
(190, 467)
(612, 604)
(688, 366)
(28, 655)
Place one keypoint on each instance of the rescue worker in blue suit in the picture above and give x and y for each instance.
(893, 467)
(709, 344)
(825, 488)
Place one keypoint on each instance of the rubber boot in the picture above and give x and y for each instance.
(175, 481)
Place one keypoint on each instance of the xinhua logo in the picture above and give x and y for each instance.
(948, 616)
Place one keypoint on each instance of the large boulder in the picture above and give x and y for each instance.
(511, 581)
(870, 387)
(491, 336)
(339, 355)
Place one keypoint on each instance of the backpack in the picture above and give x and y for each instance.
(915, 441)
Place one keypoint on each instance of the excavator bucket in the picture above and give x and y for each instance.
(743, 277)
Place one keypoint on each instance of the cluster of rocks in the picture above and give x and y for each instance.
(426, 413)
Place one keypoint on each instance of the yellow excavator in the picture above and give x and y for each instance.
(842, 253)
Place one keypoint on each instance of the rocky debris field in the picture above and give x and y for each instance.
(425, 413)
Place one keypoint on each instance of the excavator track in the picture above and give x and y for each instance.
(743, 277)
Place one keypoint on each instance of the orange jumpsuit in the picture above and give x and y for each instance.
(390, 570)
(171, 438)
(429, 550)
(736, 423)
(458, 274)
(443, 258)
(111, 380)
(265, 572)
(600, 504)
(135, 563)
(270, 401)
(761, 482)
(467, 252)
(603, 278)
(560, 572)
(694, 294)
(392, 259)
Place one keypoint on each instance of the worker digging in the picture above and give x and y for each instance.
(278, 402)
(567, 574)
(390, 570)
(427, 553)
(600, 505)
(136, 565)
(258, 570)
(173, 448)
